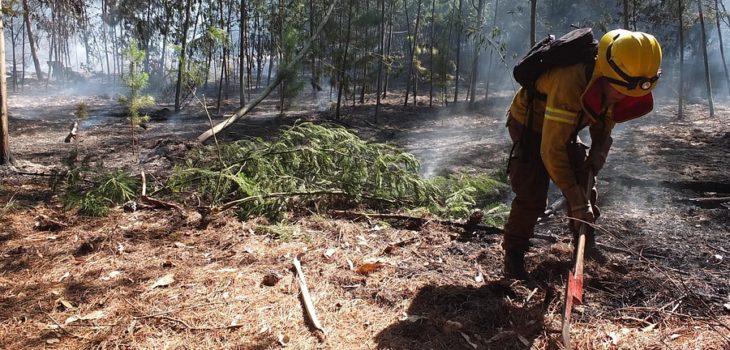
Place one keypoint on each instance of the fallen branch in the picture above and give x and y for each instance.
(280, 75)
(160, 204)
(419, 221)
(308, 305)
(196, 328)
(710, 200)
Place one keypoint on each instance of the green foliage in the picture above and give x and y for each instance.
(82, 110)
(92, 189)
(317, 167)
(292, 82)
(463, 193)
(136, 81)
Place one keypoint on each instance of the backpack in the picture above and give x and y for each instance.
(574, 47)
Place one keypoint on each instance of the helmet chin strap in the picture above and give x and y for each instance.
(628, 81)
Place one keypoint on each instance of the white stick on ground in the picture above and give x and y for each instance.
(308, 305)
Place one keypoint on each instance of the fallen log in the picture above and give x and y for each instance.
(280, 75)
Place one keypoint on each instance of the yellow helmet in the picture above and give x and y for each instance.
(630, 61)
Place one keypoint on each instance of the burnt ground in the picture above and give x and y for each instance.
(92, 282)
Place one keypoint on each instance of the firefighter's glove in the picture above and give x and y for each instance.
(597, 156)
(580, 207)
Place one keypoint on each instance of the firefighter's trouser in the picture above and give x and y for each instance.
(530, 180)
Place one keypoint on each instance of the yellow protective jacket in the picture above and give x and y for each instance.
(557, 118)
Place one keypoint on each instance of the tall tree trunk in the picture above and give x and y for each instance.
(242, 54)
(364, 80)
(31, 41)
(460, 28)
(15, 62)
(343, 62)
(22, 54)
(4, 133)
(533, 22)
(412, 55)
(680, 88)
(282, 61)
(477, 48)
(381, 45)
(315, 52)
(491, 55)
(708, 83)
(223, 61)
(430, 53)
(104, 38)
(722, 47)
(626, 14)
(183, 53)
(387, 50)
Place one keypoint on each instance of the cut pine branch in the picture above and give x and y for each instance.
(279, 77)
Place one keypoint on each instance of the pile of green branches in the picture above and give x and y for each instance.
(90, 188)
(317, 167)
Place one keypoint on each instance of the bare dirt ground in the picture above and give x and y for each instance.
(154, 279)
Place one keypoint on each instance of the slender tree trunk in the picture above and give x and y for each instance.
(477, 48)
(680, 88)
(491, 55)
(181, 60)
(4, 134)
(223, 61)
(533, 22)
(430, 53)
(31, 41)
(315, 52)
(381, 45)
(22, 54)
(364, 80)
(412, 57)
(458, 49)
(242, 54)
(708, 83)
(104, 38)
(15, 62)
(626, 14)
(722, 47)
(387, 50)
(343, 62)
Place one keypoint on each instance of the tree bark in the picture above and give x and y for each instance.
(181, 60)
(253, 103)
(491, 55)
(680, 88)
(626, 14)
(4, 133)
(242, 54)
(533, 22)
(475, 62)
(381, 46)
(722, 47)
(387, 50)
(31, 41)
(343, 62)
(430, 53)
(411, 80)
(12, 43)
(708, 82)
(458, 49)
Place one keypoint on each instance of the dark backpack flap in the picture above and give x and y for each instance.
(574, 47)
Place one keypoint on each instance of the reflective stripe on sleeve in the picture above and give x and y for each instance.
(561, 115)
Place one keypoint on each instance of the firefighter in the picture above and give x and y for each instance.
(616, 88)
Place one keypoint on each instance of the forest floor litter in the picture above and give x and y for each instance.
(156, 278)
